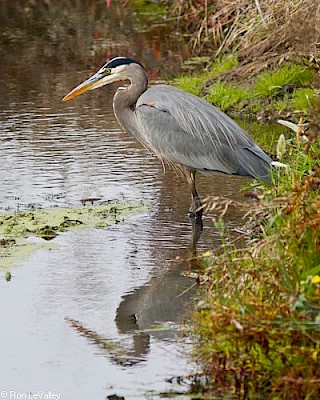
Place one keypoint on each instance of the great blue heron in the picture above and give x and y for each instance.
(179, 127)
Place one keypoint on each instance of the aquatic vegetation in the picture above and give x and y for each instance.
(48, 223)
(8, 276)
(19, 250)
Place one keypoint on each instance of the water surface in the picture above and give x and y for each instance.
(79, 319)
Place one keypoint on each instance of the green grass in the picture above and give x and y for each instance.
(303, 100)
(223, 64)
(281, 105)
(266, 135)
(272, 83)
(286, 89)
(283, 90)
(194, 83)
(225, 95)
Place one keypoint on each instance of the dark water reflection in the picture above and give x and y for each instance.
(117, 283)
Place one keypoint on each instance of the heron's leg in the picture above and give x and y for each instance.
(195, 209)
(195, 199)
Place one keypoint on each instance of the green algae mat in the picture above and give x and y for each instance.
(23, 232)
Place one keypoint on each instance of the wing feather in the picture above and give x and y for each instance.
(185, 129)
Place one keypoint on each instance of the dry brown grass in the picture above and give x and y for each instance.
(262, 32)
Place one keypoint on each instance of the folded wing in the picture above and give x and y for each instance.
(187, 130)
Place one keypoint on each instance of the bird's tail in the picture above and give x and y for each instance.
(255, 163)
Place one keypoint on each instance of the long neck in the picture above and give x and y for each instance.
(125, 100)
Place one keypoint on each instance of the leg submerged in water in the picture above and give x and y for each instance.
(195, 209)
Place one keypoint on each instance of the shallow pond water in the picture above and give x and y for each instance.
(100, 311)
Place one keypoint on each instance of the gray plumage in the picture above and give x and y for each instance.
(178, 126)
(187, 130)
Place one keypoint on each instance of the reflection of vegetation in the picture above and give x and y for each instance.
(147, 11)
(76, 31)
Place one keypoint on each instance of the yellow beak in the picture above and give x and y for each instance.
(97, 80)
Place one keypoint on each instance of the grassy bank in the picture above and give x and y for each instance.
(288, 90)
(257, 324)
(259, 321)
(262, 62)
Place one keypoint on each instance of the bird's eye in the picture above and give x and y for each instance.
(107, 71)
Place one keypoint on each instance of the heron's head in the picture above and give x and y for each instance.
(118, 69)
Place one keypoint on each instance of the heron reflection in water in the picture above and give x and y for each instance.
(179, 128)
